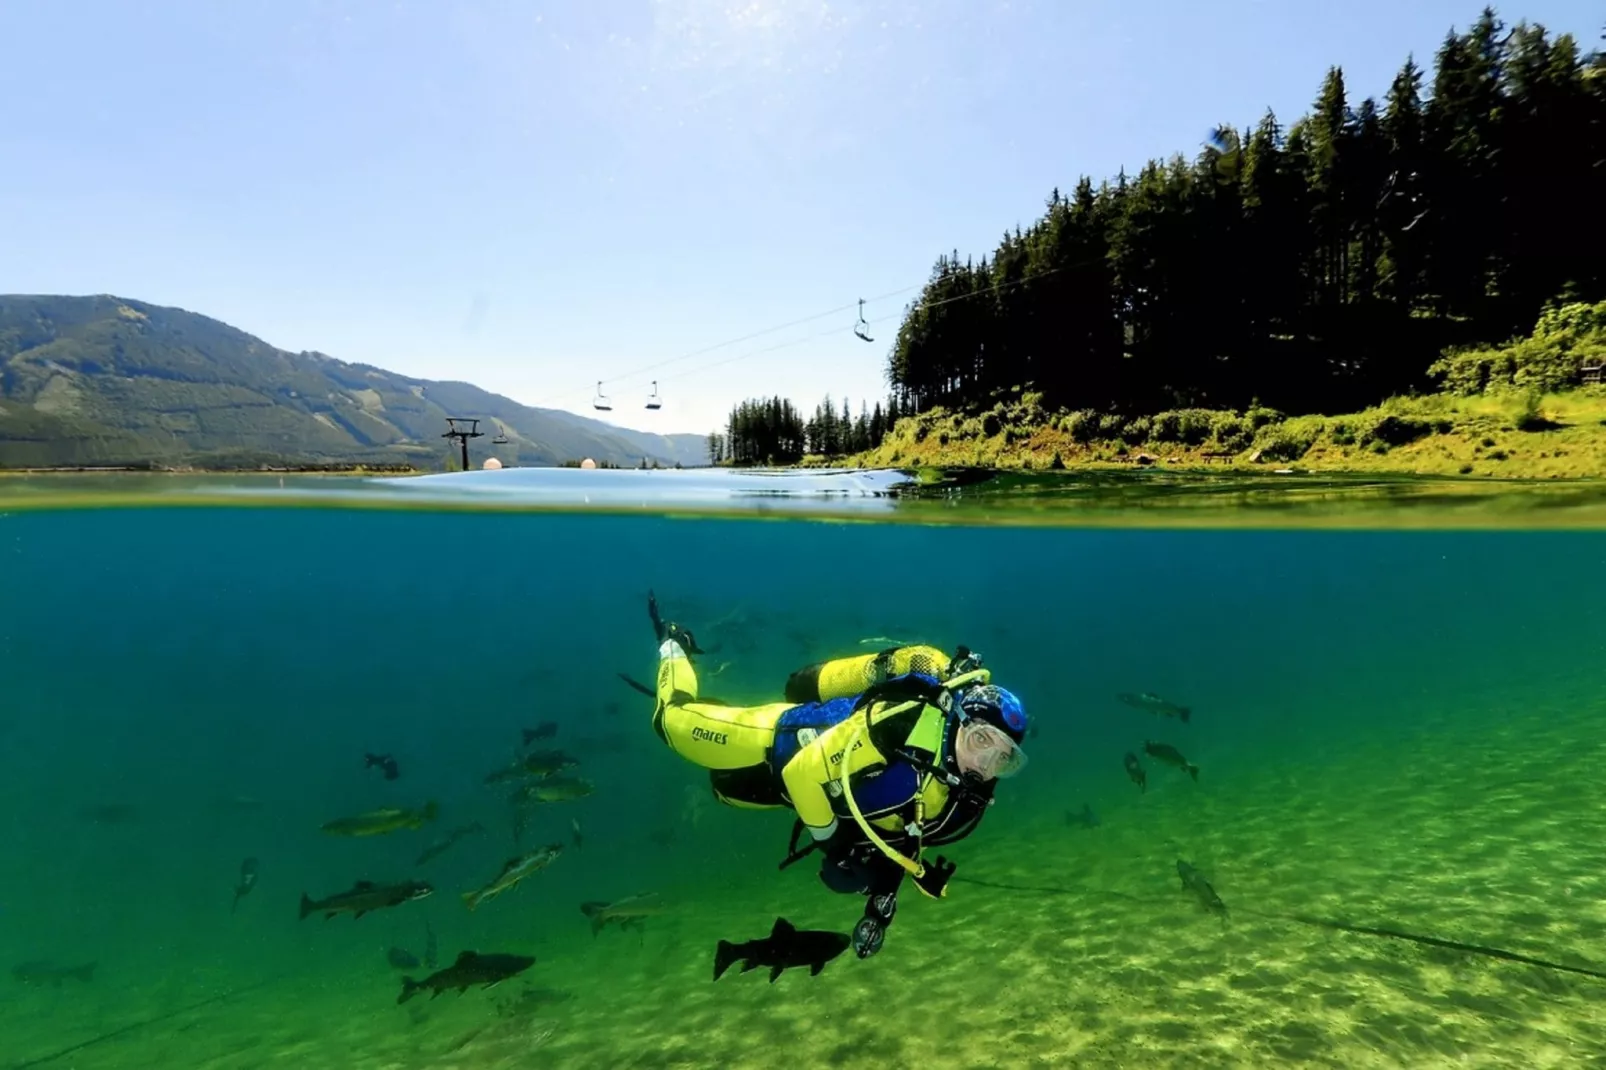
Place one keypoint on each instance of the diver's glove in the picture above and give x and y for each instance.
(934, 881)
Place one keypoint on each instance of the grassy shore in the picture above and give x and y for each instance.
(1506, 435)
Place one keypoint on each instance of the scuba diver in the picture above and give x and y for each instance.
(925, 739)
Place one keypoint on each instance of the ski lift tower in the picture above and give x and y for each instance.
(462, 435)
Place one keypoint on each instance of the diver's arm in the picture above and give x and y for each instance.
(811, 769)
(805, 777)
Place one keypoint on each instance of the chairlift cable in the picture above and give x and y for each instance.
(987, 291)
(626, 376)
(879, 319)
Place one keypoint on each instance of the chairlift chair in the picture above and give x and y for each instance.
(500, 439)
(601, 401)
(862, 328)
(653, 400)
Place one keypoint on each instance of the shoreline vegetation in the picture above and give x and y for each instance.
(1533, 408)
(1507, 436)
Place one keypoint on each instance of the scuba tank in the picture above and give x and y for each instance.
(842, 677)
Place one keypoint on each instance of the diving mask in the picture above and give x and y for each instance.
(984, 749)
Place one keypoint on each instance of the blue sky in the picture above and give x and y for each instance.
(533, 196)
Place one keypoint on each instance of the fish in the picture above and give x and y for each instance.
(446, 841)
(1194, 881)
(1085, 817)
(544, 730)
(784, 948)
(511, 772)
(627, 913)
(401, 959)
(1135, 771)
(1143, 700)
(471, 968)
(379, 822)
(363, 897)
(514, 870)
(1168, 754)
(48, 973)
(540, 763)
(556, 789)
(574, 825)
(385, 762)
(545, 763)
(248, 880)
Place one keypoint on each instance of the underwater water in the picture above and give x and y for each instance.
(1394, 730)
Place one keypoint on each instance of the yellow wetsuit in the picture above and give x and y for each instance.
(790, 753)
(732, 742)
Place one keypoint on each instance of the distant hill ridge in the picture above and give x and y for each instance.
(109, 380)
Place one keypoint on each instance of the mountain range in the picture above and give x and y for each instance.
(106, 380)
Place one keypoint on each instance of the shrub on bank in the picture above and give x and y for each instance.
(1552, 358)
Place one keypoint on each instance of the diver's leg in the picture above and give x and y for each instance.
(863, 871)
(715, 736)
(677, 684)
(845, 876)
(712, 735)
(755, 787)
(677, 680)
(663, 629)
(652, 614)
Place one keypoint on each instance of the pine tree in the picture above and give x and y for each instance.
(1317, 270)
(1403, 203)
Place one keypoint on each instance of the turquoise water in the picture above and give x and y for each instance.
(187, 688)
